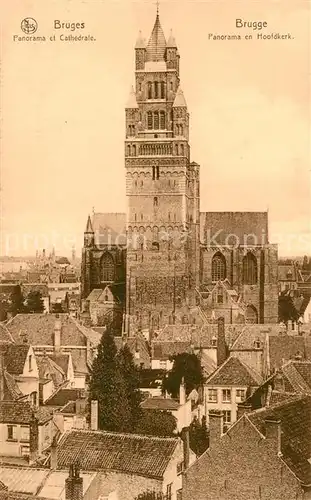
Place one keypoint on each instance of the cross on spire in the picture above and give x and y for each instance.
(157, 4)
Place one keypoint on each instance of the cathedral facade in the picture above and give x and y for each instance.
(166, 261)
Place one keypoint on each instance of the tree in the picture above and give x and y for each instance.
(287, 310)
(185, 366)
(150, 495)
(16, 301)
(130, 375)
(4, 308)
(198, 436)
(156, 423)
(34, 302)
(108, 387)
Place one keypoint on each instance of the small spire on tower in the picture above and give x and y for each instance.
(180, 101)
(171, 41)
(140, 42)
(132, 102)
(89, 227)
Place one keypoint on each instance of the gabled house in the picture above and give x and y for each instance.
(223, 301)
(229, 385)
(264, 455)
(105, 304)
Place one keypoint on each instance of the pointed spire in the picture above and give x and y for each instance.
(140, 42)
(131, 102)
(171, 41)
(157, 43)
(180, 101)
(89, 227)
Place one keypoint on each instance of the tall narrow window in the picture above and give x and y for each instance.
(249, 269)
(169, 216)
(139, 87)
(162, 90)
(156, 120)
(141, 216)
(128, 150)
(155, 201)
(149, 90)
(156, 90)
(135, 217)
(181, 130)
(134, 150)
(149, 120)
(182, 149)
(162, 120)
(171, 85)
(153, 173)
(107, 268)
(158, 171)
(218, 267)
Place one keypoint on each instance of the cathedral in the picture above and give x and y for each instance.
(165, 261)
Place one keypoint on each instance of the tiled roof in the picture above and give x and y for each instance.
(62, 360)
(11, 389)
(217, 227)
(304, 368)
(295, 379)
(62, 396)
(5, 336)
(281, 397)
(249, 334)
(23, 480)
(21, 412)
(49, 369)
(160, 403)
(234, 372)
(285, 347)
(157, 43)
(287, 272)
(79, 361)
(295, 417)
(108, 451)
(15, 358)
(198, 335)
(164, 350)
(109, 228)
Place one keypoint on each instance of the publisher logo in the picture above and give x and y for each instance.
(29, 25)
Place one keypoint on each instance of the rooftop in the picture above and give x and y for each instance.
(160, 403)
(233, 372)
(21, 412)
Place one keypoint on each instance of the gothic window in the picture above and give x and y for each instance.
(135, 217)
(158, 172)
(176, 149)
(171, 85)
(155, 201)
(107, 267)
(169, 216)
(251, 316)
(162, 120)
(162, 90)
(156, 120)
(153, 173)
(218, 267)
(182, 149)
(156, 90)
(128, 150)
(177, 129)
(149, 90)
(141, 183)
(149, 120)
(141, 216)
(249, 269)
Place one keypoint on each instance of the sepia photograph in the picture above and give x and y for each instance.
(155, 250)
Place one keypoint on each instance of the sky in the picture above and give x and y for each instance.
(63, 120)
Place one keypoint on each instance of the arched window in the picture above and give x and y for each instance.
(155, 201)
(156, 120)
(134, 150)
(182, 149)
(149, 90)
(249, 269)
(162, 90)
(128, 150)
(156, 90)
(149, 120)
(162, 120)
(181, 130)
(218, 267)
(251, 316)
(107, 268)
(176, 149)
(171, 85)
(155, 246)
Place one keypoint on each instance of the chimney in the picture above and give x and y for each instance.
(53, 459)
(273, 434)
(182, 392)
(243, 409)
(57, 334)
(221, 342)
(33, 439)
(94, 415)
(186, 446)
(81, 403)
(215, 426)
(74, 484)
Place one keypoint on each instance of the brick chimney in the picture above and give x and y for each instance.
(94, 415)
(242, 409)
(215, 426)
(33, 439)
(182, 392)
(273, 434)
(57, 334)
(53, 458)
(74, 484)
(186, 446)
(221, 342)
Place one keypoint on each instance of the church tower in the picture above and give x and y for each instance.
(162, 188)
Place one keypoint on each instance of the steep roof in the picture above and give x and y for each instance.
(62, 396)
(51, 370)
(108, 451)
(179, 101)
(283, 348)
(234, 372)
(171, 42)
(295, 417)
(157, 43)
(21, 412)
(15, 358)
(109, 228)
(217, 228)
(11, 389)
(5, 336)
(249, 334)
(198, 335)
(164, 350)
(89, 227)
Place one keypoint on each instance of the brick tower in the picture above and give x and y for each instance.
(162, 188)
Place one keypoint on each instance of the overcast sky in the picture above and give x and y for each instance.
(63, 114)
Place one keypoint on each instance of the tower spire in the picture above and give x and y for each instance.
(158, 8)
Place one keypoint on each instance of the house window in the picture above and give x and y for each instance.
(171, 85)
(226, 396)
(30, 362)
(218, 267)
(212, 395)
(249, 269)
(226, 420)
(24, 433)
(162, 90)
(240, 395)
(180, 468)
(169, 491)
(12, 436)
